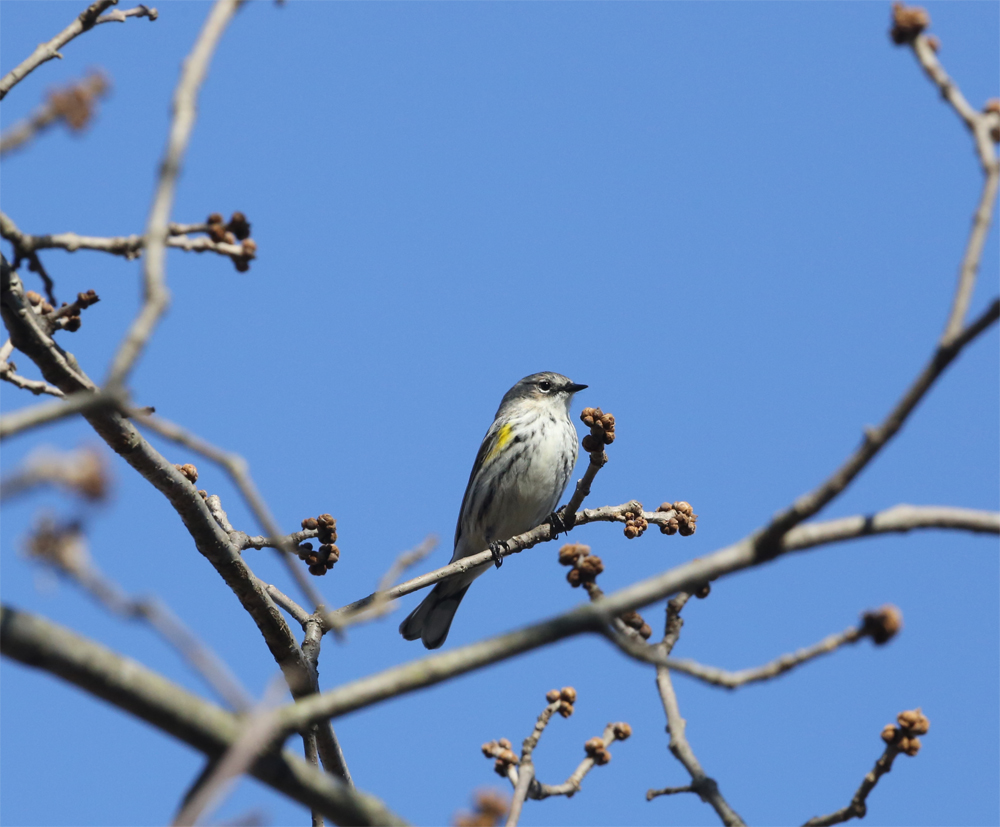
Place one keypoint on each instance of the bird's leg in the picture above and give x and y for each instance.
(498, 548)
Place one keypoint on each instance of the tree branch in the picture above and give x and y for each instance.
(156, 296)
(86, 20)
(902, 738)
(129, 685)
(586, 618)
(61, 369)
(127, 246)
(76, 403)
(767, 540)
(540, 534)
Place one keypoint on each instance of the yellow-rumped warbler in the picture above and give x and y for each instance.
(521, 471)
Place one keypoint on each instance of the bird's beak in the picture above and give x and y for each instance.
(573, 387)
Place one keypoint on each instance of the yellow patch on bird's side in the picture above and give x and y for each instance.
(503, 437)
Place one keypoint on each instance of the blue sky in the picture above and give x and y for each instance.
(739, 223)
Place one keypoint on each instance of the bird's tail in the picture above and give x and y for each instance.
(431, 620)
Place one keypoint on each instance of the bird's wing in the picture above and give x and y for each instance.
(496, 437)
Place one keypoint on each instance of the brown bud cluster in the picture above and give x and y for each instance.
(634, 621)
(237, 229)
(490, 809)
(993, 108)
(565, 697)
(60, 545)
(70, 318)
(635, 524)
(320, 560)
(684, 521)
(907, 23)
(189, 471)
(38, 302)
(882, 624)
(87, 299)
(76, 103)
(602, 429)
(585, 566)
(501, 750)
(912, 722)
(622, 731)
(595, 749)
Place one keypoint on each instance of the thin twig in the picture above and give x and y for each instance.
(572, 785)
(598, 459)
(119, 16)
(238, 470)
(61, 368)
(81, 402)
(980, 125)
(732, 680)
(286, 603)
(381, 603)
(977, 122)
(540, 534)
(130, 246)
(164, 622)
(49, 50)
(706, 788)
(768, 540)
(309, 750)
(256, 735)
(898, 519)
(858, 807)
(8, 373)
(156, 296)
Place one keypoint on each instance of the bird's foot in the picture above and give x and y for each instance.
(498, 548)
(557, 525)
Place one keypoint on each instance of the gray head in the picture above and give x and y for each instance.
(546, 388)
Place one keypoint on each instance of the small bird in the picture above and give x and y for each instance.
(520, 473)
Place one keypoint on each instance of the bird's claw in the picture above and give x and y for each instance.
(498, 548)
(557, 525)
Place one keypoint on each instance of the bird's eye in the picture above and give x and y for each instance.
(545, 385)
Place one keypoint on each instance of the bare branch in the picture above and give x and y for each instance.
(381, 603)
(703, 785)
(156, 296)
(8, 373)
(768, 540)
(981, 125)
(164, 622)
(130, 686)
(257, 732)
(86, 20)
(902, 738)
(977, 123)
(61, 369)
(540, 534)
(286, 603)
(731, 680)
(238, 470)
(80, 402)
(119, 16)
(586, 618)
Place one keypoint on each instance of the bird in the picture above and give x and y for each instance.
(520, 473)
